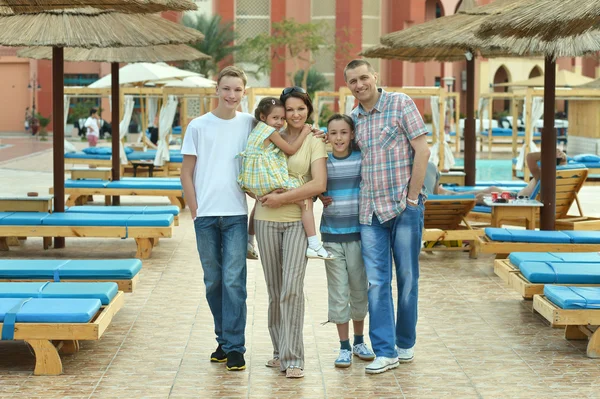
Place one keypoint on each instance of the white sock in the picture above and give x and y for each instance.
(251, 239)
(314, 243)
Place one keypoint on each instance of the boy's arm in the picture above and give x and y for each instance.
(532, 164)
(287, 148)
(187, 182)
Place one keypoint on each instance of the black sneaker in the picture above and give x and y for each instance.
(218, 356)
(235, 361)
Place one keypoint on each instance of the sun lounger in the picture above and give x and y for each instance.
(101, 156)
(123, 272)
(576, 308)
(445, 222)
(502, 137)
(80, 190)
(128, 210)
(145, 229)
(502, 241)
(528, 274)
(54, 317)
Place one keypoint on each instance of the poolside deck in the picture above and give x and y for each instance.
(476, 337)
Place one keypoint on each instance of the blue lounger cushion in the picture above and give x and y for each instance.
(510, 235)
(477, 188)
(561, 272)
(24, 219)
(105, 292)
(132, 210)
(81, 269)
(86, 219)
(104, 150)
(51, 310)
(450, 197)
(585, 158)
(83, 155)
(584, 237)
(147, 184)
(482, 209)
(573, 297)
(516, 258)
(86, 183)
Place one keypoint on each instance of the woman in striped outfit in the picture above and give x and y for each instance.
(282, 241)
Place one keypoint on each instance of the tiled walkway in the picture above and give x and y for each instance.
(476, 338)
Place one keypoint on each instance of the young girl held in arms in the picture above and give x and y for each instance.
(264, 169)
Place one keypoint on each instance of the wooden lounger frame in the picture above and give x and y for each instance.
(579, 323)
(79, 196)
(502, 248)
(512, 276)
(168, 169)
(49, 339)
(445, 222)
(145, 237)
(125, 285)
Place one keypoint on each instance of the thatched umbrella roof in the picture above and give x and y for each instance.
(564, 78)
(133, 6)
(546, 19)
(163, 53)
(87, 28)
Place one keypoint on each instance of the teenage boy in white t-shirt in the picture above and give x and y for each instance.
(218, 207)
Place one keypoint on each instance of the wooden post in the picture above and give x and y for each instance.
(515, 125)
(441, 129)
(548, 179)
(183, 118)
(316, 100)
(528, 132)
(58, 127)
(116, 119)
(490, 119)
(470, 137)
(250, 94)
(457, 121)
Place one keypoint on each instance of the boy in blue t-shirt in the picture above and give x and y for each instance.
(347, 283)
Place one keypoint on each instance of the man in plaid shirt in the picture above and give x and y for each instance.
(392, 137)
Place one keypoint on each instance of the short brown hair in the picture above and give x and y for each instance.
(266, 105)
(357, 63)
(232, 71)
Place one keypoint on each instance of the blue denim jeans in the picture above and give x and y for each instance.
(400, 238)
(221, 242)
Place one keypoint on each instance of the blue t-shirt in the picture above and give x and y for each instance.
(339, 222)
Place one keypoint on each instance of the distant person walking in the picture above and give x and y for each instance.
(92, 124)
(27, 119)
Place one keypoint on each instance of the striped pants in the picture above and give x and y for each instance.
(282, 247)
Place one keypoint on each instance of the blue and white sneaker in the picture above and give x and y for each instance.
(363, 352)
(344, 359)
(405, 355)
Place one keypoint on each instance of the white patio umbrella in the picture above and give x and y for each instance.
(143, 72)
(193, 81)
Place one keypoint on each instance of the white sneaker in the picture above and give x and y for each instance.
(344, 359)
(363, 352)
(319, 253)
(382, 364)
(405, 355)
(251, 252)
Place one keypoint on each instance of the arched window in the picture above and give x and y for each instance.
(535, 72)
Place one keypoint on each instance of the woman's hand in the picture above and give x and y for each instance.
(271, 200)
(325, 200)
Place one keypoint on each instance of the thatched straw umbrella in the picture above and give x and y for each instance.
(580, 42)
(133, 6)
(547, 19)
(163, 53)
(85, 27)
(444, 39)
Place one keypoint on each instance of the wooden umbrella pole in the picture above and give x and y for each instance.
(58, 127)
(115, 138)
(548, 190)
(470, 145)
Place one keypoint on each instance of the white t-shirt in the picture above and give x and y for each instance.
(92, 124)
(216, 143)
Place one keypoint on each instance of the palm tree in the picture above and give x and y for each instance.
(315, 81)
(217, 43)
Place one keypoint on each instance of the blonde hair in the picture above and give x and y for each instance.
(232, 71)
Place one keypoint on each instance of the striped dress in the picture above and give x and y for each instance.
(264, 169)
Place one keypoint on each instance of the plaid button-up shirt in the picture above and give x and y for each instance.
(383, 135)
